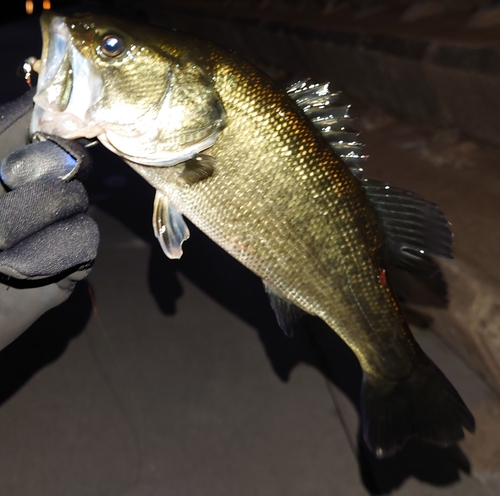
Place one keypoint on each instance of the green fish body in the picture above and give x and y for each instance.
(242, 158)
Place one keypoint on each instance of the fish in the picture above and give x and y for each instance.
(274, 176)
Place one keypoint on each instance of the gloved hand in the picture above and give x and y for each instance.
(47, 243)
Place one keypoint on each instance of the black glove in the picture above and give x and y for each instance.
(47, 242)
(44, 232)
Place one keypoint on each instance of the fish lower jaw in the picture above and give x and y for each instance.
(157, 158)
(63, 124)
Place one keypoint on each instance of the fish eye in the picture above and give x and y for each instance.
(112, 45)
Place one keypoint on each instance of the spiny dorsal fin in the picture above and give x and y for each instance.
(169, 226)
(332, 119)
(287, 314)
(413, 228)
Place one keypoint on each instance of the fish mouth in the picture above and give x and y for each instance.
(68, 85)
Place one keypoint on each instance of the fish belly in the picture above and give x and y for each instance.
(301, 222)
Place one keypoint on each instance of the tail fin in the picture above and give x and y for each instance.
(425, 405)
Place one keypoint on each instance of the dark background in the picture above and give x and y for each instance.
(16, 10)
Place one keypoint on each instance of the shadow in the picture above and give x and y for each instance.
(117, 190)
(44, 342)
(428, 463)
(417, 290)
(240, 291)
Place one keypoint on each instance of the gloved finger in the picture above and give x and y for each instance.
(32, 207)
(15, 118)
(47, 159)
(52, 253)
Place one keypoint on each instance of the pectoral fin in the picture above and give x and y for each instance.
(169, 226)
(198, 168)
(287, 314)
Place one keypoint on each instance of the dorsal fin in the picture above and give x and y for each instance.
(413, 228)
(331, 117)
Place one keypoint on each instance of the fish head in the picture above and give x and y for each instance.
(138, 89)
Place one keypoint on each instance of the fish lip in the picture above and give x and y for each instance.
(57, 109)
(56, 36)
(55, 47)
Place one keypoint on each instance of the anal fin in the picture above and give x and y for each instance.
(287, 314)
(169, 226)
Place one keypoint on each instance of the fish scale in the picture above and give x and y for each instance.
(280, 191)
(298, 175)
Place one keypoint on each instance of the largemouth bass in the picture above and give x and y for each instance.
(273, 177)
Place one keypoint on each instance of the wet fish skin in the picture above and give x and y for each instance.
(277, 198)
(282, 204)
